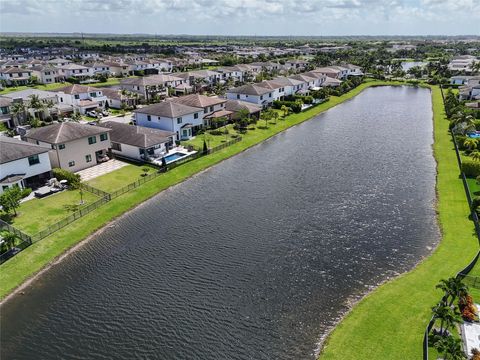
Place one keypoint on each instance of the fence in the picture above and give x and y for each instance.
(105, 197)
(26, 241)
(474, 216)
(69, 219)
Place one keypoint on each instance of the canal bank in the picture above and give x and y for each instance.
(38, 256)
(389, 322)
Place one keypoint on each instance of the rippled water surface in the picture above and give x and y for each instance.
(254, 258)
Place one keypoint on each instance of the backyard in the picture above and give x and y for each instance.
(120, 177)
(36, 214)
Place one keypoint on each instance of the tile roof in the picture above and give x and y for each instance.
(64, 132)
(14, 149)
(238, 105)
(138, 136)
(250, 89)
(169, 109)
(201, 101)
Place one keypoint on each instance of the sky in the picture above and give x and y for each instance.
(244, 17)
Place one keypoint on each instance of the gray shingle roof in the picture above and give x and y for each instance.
(197, 100)
(250, 89)
(237, 105)
(138, 136)
(12, 149)
(64, 132)
(169, 109)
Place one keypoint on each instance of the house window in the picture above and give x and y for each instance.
(270, 95)
(179, 120)
(149, 118)
(61, 146)
(261, 97)
(33, 160)
(93, 94)
(103, 137)
(37, 142)
(195, 116)
(92, 140)
(71, 163)
(238, 96)
(88, 158)
(77, 97)
(116, 146)
(211, 108)
(205, 110)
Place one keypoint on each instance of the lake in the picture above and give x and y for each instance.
(255, 258)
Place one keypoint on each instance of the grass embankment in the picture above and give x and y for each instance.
(16, 270)
(120, 177)
(390, 322)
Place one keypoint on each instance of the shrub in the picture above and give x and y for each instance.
(295, 106)
(471, 168)
(219, 132)
(72, 179)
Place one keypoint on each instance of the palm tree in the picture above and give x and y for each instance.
(448, 317)
(450, 347)
(275, 116)
(285, 110)
(19, 112)
(453, 288)
(9, 239)
(475, 155)
(76, 116)
(36, 104)
(470, 143)
(461, 117)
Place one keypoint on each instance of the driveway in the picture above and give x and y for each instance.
(121, 119)
(101, 169)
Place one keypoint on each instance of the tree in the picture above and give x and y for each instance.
(453, 288)
(19, 111)
(285, 109)
(475, 155)
(470, 143)
(275, 116)
(9, 239)
(38, 106)
(76, 116)
(10, 199)
(450, 348)
(447, 316)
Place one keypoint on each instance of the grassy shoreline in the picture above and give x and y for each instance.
(389, 322)
(29, 262)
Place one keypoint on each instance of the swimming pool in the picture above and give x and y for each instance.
(174, 157)
(475, 135)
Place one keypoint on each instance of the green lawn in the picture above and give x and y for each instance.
(390, 322)
(119, 178)
(16, 270)
(35, 215)
(39, 87)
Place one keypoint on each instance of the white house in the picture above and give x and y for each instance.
(24, 164)
(73, 146)
(210, 105)
(463, 63)
(183, 120)
(46, 74)
(139, 142)
(75, 70)
(150, 86)
(253, 93)
(82, 98)
(16, 75)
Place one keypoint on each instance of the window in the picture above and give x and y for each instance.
(211, 108)
(149, 118)
(238, 96)
(33, 160)
(88, 158)
(195, 116)
(77, 97)
(205, 110)
(179, 120)
(61, 99)
(103, 137)
(37, 142)
(47, 72)
(61, 146)
(93, 94)
(116, 146)
(270, 95)
(261, 97)
(71, 163)
(92, 140)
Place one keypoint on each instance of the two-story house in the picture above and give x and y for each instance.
(46, 74)
(183, 120)
(24, 164)
(82, 98)
(75, 70)
(73, 146)
(14, 75)
(211, 105)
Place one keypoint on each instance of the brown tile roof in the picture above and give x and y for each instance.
(169, 109)
(12, 149)
(138, 136)
(197, 100)
(64, 132)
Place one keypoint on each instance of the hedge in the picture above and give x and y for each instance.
(471, 168)
(296, 107)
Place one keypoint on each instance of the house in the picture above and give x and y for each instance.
(297, 65)
(116, 99)
(73, 146)
(210, 104)
(59, 62)
(117, 68)
(46, 74)
(24, 164)
(48, 98)
(200, 78)
(151, 86)
(5, 113)
(16, 76)
(459, 80)
(290, 85)
(98, 68)
(76, 71)
(237, 106)
(81, 98)
(253, 93)
(183, 120)
(331, 82)
(463, 63)
(139, 142)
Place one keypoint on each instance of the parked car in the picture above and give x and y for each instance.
(105, 113)
(92, 113)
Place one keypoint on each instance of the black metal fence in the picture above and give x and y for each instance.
(93, 190)
(474, 216)
(25, 241)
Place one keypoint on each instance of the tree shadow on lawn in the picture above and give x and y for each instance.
(8, 218)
